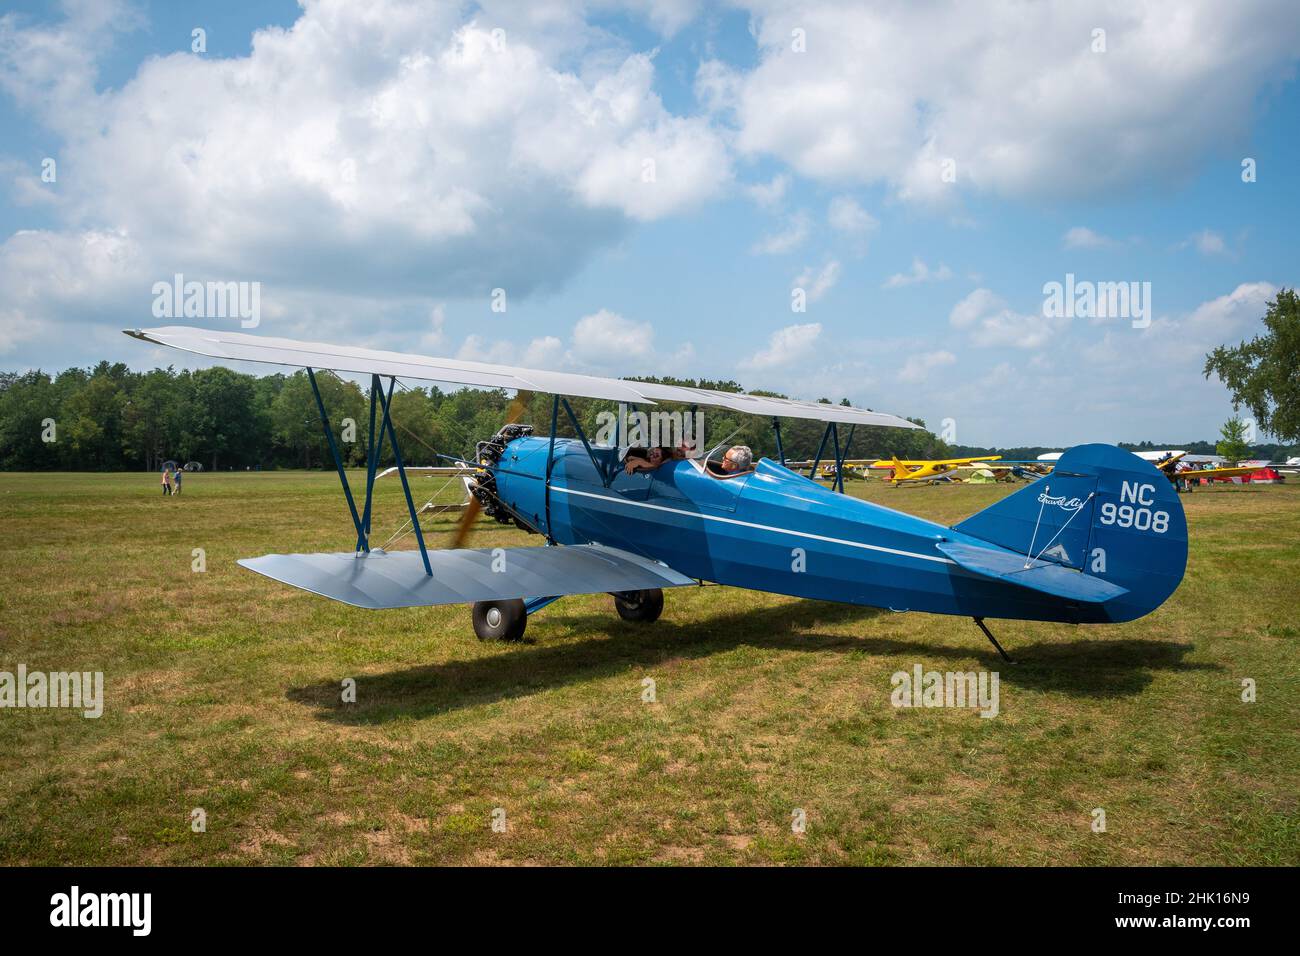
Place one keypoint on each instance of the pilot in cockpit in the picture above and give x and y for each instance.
(739, 460)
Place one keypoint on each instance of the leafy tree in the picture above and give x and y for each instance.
(1232, 445)
(417, 428)
(26, 401)
(93, 422)
(221, 424)
(1264, 373)
(265, 390)
(295, 422)
(152, 418)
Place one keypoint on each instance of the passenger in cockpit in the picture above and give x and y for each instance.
(643, 459)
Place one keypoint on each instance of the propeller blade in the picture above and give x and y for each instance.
(467, 518)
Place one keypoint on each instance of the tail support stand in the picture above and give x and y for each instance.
(989, 634)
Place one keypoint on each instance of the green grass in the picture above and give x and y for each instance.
(223, 692)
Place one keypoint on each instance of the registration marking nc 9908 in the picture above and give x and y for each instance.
(1139, 515)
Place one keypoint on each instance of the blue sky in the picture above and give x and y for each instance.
(380, 169)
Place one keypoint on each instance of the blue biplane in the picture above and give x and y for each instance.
(1102, 539)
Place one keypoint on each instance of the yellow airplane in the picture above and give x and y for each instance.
(1189, 475)
(927, 470)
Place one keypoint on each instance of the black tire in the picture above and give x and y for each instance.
(643, 607)
(500, 620)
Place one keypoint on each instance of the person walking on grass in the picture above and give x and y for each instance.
(179, 472)
(167, 481)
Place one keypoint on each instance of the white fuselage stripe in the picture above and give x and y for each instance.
(749, 524)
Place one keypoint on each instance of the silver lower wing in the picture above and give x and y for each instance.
(396, 579)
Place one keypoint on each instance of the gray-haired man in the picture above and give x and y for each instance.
(738, 460)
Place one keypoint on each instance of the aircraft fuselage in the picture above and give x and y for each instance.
(769, 530)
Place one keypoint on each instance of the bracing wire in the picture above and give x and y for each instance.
(1033, 557)
(1042, 502)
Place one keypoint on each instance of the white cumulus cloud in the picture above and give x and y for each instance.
(917, 368)
(845, 215)
(792, 236)
(1207, 242)
(385, 149)
(1081, 237)
(770, 193)
(786, 346)
(1004, 96)
(818, 284)
(920, 273)
(988, 321)
(606, 338)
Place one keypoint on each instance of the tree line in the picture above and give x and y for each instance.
(110, 418)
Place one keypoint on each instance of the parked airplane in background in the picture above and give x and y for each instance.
(927, 469)
(1184, 471)
(1182, 475)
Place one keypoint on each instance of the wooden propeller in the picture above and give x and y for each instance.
(467, 518)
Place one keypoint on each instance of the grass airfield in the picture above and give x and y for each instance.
(223, 692)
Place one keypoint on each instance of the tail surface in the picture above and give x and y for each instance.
(1102, 512)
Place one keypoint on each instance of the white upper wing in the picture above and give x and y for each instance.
(239, 347)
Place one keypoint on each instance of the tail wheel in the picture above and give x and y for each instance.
(641, 606)
(500, 620)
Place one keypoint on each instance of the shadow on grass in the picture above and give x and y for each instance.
(1086, 667)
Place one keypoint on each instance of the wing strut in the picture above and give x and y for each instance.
(606, 476)
(550, 464)
(835, 440)
(839, 465)
(832, 433)
(334, 450)
(373, 452)
(812, 475)
(406, 485)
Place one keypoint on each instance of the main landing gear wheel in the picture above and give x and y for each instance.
(500, 620)
(641, 606)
